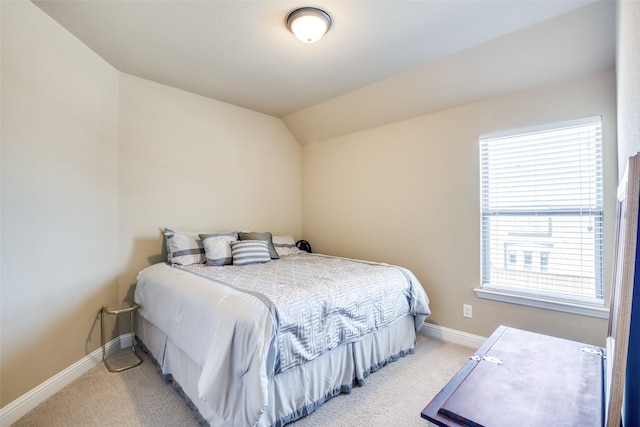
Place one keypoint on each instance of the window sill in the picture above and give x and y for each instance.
(567, 307)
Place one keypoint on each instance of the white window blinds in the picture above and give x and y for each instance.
(542, 212)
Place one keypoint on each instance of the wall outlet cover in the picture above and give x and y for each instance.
(467, 311)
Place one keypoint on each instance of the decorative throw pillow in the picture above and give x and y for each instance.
(246, 252)
(217, 248)
(184, 248)
(266, 236)
(285, 245)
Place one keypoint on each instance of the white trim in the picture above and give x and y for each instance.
(15, 410)
(126, 340)
(452, 335)
(567, 307)
(544, 128)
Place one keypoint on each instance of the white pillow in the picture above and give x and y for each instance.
(285, 245)
(217, 248)
(184, 248)
(246, 252)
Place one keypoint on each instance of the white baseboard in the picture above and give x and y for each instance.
(452, 335)
(126, 340)
(25, 403)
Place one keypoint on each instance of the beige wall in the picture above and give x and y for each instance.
(59, 198)
(94, 164)
(628, 78)
(193, 163)
(408, 194)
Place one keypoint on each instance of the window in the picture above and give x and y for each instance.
(542, 202)
(544, 261)
(528, 259)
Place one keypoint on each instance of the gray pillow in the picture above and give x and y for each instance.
(266, 236)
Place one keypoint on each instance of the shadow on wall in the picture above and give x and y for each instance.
(152, 259)
(144, 253)
(93, 340)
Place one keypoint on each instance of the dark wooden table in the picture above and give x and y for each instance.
(520, 378)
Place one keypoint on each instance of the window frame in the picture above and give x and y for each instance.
(549, 300)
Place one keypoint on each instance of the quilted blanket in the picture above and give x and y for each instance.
(320, 302)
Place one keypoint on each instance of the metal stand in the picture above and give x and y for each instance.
(128, 308)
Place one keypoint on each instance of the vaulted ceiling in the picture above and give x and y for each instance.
(381, 61)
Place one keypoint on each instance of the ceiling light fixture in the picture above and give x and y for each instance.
(309, 24)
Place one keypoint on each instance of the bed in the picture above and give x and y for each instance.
(265, 343)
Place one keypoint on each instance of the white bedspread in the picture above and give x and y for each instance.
(242, 324)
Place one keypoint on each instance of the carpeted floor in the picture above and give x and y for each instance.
(393, 396)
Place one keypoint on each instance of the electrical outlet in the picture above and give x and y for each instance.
(467, 311)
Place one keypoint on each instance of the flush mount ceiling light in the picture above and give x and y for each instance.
(309, 24)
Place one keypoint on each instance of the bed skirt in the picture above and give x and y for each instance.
(300, 390)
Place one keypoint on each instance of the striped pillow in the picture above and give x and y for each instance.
(217, 249)
(246, 252)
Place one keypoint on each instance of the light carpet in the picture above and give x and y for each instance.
(392, 396)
